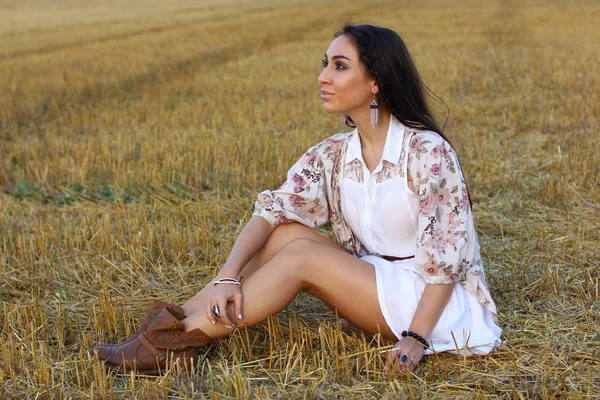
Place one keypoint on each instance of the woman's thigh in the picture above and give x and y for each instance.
(344, 282)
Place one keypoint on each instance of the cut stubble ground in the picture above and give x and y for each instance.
(133, 142)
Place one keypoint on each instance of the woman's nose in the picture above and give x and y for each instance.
(324, 77)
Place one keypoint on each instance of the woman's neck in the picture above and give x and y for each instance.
(373, 138)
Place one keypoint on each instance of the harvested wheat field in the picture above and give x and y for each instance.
(134, 139)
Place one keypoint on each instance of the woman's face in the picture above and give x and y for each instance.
(345, 86)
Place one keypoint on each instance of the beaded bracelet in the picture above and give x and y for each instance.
(416, 336)
(227, 280)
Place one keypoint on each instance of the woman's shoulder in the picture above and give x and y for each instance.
(424, 141)
(325, 152)
(428, 146)
(332, 143)
(336, 140)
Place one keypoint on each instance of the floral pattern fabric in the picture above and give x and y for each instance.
(447, 247)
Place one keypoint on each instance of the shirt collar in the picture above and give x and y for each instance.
(392, 148)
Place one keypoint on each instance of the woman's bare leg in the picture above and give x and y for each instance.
(281, 236)
(344, 282)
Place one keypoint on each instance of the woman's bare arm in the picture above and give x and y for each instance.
(251, 239)
(430, 308)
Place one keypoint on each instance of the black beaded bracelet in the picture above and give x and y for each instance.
(416, 336)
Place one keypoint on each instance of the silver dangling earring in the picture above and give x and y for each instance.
(374, 117)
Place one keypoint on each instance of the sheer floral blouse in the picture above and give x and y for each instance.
(446, 248)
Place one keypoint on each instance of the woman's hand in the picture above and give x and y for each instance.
(408, 346)
(221, 295)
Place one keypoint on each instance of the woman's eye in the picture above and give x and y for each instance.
(338, 65)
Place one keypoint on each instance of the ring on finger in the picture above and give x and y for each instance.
(403, 359)
(216, 311)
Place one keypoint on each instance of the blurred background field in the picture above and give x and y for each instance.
(134, 138)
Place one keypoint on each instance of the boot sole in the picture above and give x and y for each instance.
(124, 370)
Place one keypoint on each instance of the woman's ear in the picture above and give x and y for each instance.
(374, 88)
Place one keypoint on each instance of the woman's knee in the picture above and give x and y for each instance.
(297, 256)
(284, 234)
(281, 236)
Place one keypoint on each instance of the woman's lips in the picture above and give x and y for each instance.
(326, 95)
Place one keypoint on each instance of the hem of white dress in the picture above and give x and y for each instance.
(382, 303)
(475, 344)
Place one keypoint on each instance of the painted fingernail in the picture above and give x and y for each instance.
(240, 316)
(213, 321)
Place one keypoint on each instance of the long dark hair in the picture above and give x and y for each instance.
(387, 60)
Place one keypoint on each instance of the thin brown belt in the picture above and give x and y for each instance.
(392, 258)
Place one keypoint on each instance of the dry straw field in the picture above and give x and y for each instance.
(134, 138)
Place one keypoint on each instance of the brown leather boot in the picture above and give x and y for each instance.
(155, 308)
(149, 353)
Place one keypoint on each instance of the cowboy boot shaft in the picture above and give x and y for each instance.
(155, 308)
(168, 332)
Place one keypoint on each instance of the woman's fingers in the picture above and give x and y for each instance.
(405, 363)
(237, 304)
(224, 315)
(216, 309)
(209, 314)
(414, 358)
(404, 356)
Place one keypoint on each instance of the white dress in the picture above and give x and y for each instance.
(383, 214)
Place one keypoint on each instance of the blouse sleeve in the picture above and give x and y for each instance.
(301, 198)
(446, 238)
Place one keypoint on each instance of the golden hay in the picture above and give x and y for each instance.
(133, 140)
